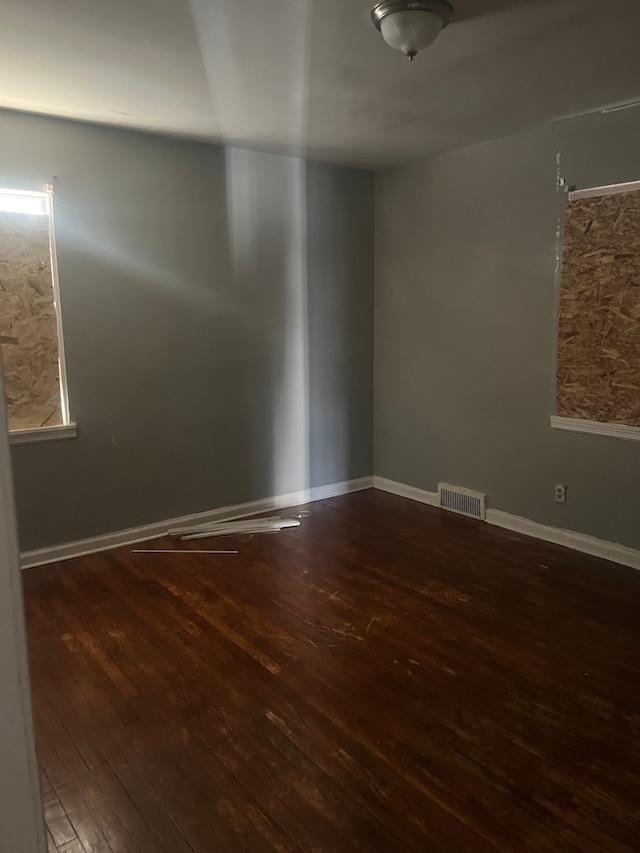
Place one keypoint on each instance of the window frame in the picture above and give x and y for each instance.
(562, 422)
(68, 428)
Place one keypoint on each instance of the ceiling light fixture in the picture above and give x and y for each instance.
(411, 25)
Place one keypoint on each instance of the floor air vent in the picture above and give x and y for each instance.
(462, 501)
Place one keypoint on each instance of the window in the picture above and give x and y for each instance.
(598, 356)
(30, 323)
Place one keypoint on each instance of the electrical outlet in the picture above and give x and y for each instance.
(561, 493)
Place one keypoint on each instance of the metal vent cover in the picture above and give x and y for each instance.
(462, 501)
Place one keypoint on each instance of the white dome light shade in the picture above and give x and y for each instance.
(411, 25)
(411, 31)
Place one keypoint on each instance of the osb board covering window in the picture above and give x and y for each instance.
(28, 327)
(598, 372)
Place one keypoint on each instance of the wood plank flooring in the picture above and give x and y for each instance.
(386, 678)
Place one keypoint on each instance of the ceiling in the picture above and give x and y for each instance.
(314, 75)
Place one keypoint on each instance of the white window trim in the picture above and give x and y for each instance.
(46, 433)
(630, 433)
(62, 364)
(609, 189)
(67, 429)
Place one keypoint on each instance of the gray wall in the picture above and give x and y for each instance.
(465, 296)
(217, 308)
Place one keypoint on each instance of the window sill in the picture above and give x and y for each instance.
(53, 433)
(630, 433)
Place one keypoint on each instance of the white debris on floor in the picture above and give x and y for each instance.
(247, 526)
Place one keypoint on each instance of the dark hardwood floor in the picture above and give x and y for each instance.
(385, 678)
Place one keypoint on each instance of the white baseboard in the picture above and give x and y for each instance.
(67, 551)
(569, 538)
(404, 491)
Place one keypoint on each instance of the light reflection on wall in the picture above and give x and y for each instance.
(267, 208)
(266, 200)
